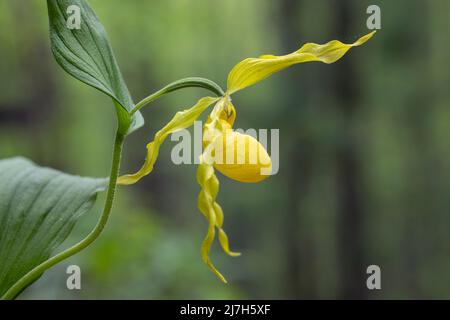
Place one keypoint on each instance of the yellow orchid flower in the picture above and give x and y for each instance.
(238, 156)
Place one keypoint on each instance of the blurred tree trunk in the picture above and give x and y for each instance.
(38, 103)
(300, 277)
(349, 180)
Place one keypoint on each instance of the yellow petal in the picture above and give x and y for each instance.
(253, 70)
(204, 174)
(212, 212)
(223, 238)
(181, 120)
(241, 157)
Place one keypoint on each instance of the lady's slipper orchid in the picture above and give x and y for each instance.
(239, 157)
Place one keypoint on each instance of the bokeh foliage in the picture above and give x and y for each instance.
(365, 158)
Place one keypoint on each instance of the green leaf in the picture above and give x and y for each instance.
(86, 54)
(38, 209)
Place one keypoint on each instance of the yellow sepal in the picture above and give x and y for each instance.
(253, 70)
(181, 120)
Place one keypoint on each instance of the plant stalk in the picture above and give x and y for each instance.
(35, 273)
(180, 84)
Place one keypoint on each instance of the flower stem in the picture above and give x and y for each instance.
(35, 273)
(180, 84)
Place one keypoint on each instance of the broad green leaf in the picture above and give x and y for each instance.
(38, 209)
(86, 54)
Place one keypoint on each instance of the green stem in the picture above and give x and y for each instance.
(180, 84)
(31, 276)
(35, 273)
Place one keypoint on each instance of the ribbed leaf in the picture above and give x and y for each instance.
(38, 209)
(86, 54)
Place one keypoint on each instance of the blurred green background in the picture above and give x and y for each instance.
(364, 149)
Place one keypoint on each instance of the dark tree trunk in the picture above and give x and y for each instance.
(300, 277)
(350, 211)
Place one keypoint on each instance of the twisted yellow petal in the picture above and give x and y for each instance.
(181, 120)
(253, 70)
(204, 174)
(213, 213)
(220, 118)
